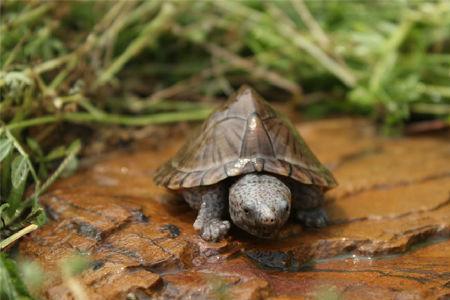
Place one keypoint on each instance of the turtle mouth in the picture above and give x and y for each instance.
(264, 232)
(261, 231)
(268, 234)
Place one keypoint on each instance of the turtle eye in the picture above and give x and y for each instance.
(246, 210)
(287, 208)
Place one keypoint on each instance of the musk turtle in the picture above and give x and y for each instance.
(250, 161)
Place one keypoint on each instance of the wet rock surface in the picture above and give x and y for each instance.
(389, 237)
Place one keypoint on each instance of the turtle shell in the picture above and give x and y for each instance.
(242, 136)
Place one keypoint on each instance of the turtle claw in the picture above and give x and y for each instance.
(198, 224)
(316, 218)
(214, 230)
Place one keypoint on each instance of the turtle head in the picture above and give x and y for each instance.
(260, 204)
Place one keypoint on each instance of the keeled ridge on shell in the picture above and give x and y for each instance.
(242, 136)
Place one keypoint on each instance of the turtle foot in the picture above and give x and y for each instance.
(214, 230)
(315, 218)
(198, 224)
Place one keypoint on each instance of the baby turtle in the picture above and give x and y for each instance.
(250, 160)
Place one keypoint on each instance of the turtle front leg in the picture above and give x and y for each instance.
(307, 204)
(211, 204)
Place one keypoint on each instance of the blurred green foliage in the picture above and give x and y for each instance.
(12, 287)
(135, 63)
(25, 278)
(88, 62)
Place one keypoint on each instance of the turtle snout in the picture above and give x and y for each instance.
(273, 215)
(268, 220)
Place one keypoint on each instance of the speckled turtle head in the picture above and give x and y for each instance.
(260, 204)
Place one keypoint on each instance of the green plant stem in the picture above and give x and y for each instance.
(308, 19)
(435, 109)
(390, 48)
(259, 72)
(108, 19)
(71, 64)
(138, 121)
(51, 64)
(80, 117)
(57, 173)
(137, 105)
(12, 55)
(291, 33)
(24, 154)
(284, 28)
(429, 89)
(147, 37)
(17, 235)
(29, 16)
(41, 189)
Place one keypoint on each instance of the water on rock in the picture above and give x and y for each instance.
(392, 200)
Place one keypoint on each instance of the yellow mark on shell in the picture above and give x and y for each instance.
(252, 124)
(241, 163)
(238, 166)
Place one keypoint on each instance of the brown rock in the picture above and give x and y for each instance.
(393, 195)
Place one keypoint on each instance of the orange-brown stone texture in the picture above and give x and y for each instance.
(388, 238)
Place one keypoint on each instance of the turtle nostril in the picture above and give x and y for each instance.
(269, 221)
